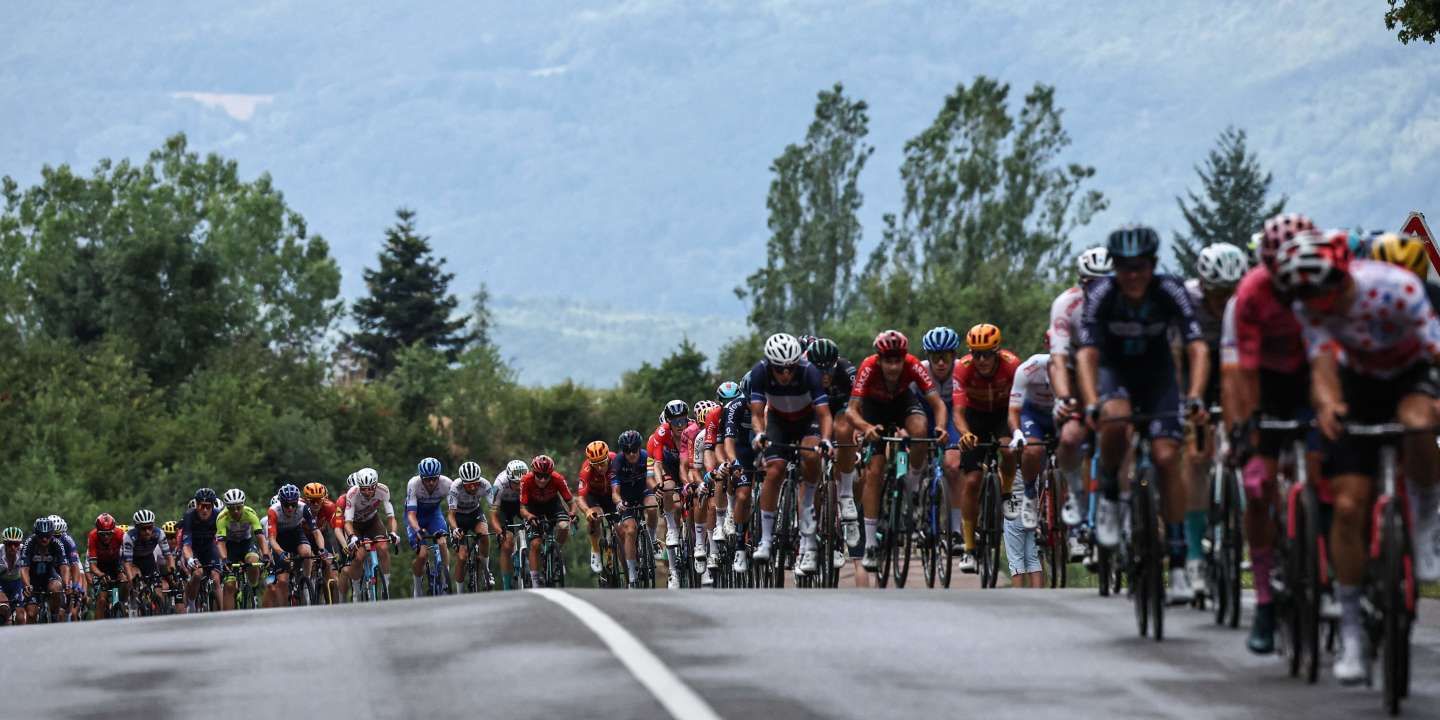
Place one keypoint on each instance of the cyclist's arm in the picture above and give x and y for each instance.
(1198, 353)
(757, 418)
(937, 409)
(1060, 376)
(1087, 370)
(857, 421)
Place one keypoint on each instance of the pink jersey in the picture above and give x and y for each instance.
(1388, 328)
(1266, 333)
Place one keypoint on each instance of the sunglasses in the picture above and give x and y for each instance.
(783, 369)
(1131, 266)
(985, 354)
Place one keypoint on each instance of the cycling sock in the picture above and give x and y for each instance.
(957, 518)
(912, 478)
(1194, 534)
(671, 522)
(1349, 598)
(767, 526)
(714, 548)
(1073, 480)
(847, 484)
(1424, 499)
(1175, 538)
(415, 585)
(969, 533)
(870, 525)
(1028, 484)
(807, 509)
(387, 580)
(630, 568)
(1261, 563)
(534, 579)
(700, 533)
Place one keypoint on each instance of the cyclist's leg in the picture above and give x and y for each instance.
(970, 481)
(845, 458)
(776, 430)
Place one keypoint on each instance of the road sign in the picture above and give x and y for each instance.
(1415, 225)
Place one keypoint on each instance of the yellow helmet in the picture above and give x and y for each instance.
(123, 528)
(983, 338)
(170, 528)
(597, 452)
(316, 491)
(1407, 251)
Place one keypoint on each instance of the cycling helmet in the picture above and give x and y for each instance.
(597, 452)
(675, 409)
(61, 527)
(236, 496)
(205, 495)
(745, 386)
(169, 528)
(891, 342)
(1276, 231)
(315, 491)
(143, 517)
(983, 338)
(703, 408)
(191, 505)
(940, 339)
(1095, 262)
(12, 534)
(469, 471)
(123, 528)
(630, 441)
(728, 390)
(105, 522)
(366, 477)
(542, 465)
(1221, 265)
(1133, 241)
(1312, 260)
(350, 481)
(429, 467)
(43, 526)
(783, 349)
(1407, 251)
(516, 468)
(823, 353)
(807, 340)
(288, 494)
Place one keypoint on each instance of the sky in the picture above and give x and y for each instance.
(602, 167)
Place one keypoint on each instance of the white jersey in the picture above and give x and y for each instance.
(505, 488)
(426, 502)
(947, 388)
(360, 508)
(1032, 384)
(463, 501)
(1065, 321)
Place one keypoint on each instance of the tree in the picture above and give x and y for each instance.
(1417, 19)
(1235, 202)
(681, 375)
(813, 200)
(409, 301)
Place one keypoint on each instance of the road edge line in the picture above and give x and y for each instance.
(672, 692)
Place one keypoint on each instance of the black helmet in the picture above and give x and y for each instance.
(630, 441)
(1133, 241)
(823, 352)
(206, 495)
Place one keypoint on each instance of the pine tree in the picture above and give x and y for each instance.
(1235, 203)
(409, 301)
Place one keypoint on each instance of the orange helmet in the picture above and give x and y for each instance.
(597, 452)
(983, 338)
(316, 491)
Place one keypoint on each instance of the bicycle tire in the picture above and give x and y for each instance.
(779, 539)
(904, 540)
(1234, 546)
(1395, 624)
(988, 528)
(1103, 559)
(823, 509)
(945, 555)
(1313, 589)
(1295, 608)
(929, 549)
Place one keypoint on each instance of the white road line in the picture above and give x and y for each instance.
(673, 693)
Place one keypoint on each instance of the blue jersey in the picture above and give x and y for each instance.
(196, 532)
(72, 551)
(628, 476)
(1137, 334)
(43, 559)
(735, 422)
(793, 400)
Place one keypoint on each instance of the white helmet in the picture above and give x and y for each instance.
(350, 481)
(783, 349)
(1221, 265)
(1095, 262)
(516, 469)
(366, 477)
(234, 496)
(59, 523)
(469, 471)
(143, 517)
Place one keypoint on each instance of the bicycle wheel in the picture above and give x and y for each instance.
(780, 546)
(929, 527)
(904, 538)
(1293, 611)
(1233, 546)
(883, 536)
(1059, 532)
(944, 553)
(988, 529)
(1309, 584)
(824, 509)
(1396, 589)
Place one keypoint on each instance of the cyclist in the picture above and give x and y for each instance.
(941, 345)
(1125, 366)
(740, 451)
(197, 545)
(145, 552)
(981, 400)
(632, 490)
(1371, 336)
(12, 583)
(504, 500)
(237, 531)
(788, 406)
(883, 396)
(701, 485)
(317, 498)
(666, 444)
(1407, 251)
(102, 550)
(594, 496)
(292, 532)
(171, 530)
(1219, 267)
(71, 573)
(1031, 409)
(362, 520)
(1065, 315)
(1263, 369)
(544, 493)
(423, 495)
(837, 376)
(40, 563)
(718, 460)
(465, 509)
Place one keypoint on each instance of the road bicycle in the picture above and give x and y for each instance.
(1052, 534)
(373, 586)
(248, 595)
(1226, 534)
(989, 523)
(894, 531)
(437, 571)
(477, 572)
(934, 528)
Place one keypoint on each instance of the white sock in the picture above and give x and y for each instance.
(912, 478)
(415, 585)
(720, 513)
(1073, 480)
(630, 567)
(870, 525)
(700, 530)
(767, 526)
(714, 549)
(847, 484)
(807, 509)
(671, 522)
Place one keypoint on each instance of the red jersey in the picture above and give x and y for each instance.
(870, 380)
(532, 494)
(338, 521)
(1267, 333)
(712, 426)
(981, 393)
(104, 550)
(594, 481)
(325, 512)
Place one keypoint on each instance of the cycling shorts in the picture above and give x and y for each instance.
(469, 521)
(788, 432)
(1285, 396)
(206, 553)
(14, 591)
(745, 475)
(604, 501)
(1371, 400)
(1037, 422)
(430, 523)
(553, 509)
(236, 551)
(371, 528)
(508, 513)
(109, 567)
(990, 426)
(147, 565)
(952, 435)
(291, 539)
(1151, 391)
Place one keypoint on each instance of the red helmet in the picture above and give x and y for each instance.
(891, 342)
(1277, 230)
(105, 522)
(1313, 260)
(542, 465)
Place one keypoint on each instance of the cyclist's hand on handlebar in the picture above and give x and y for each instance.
(827, 448)
(593, 513)
(1331, 418)
(968, 441)
(457, 534)
(759, 442)
(1195, 411)
(1017, 440)
(1065, 410)
(393, 538)
(872, 433)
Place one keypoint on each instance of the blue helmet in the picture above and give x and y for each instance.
(429, 467)
(630, 441)
(941, 339)
(43, 526)
(288, 494)
(1133, 241)
(728, 390)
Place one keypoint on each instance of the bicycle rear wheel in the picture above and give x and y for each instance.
(904, 539)
(1309, 585)
(1293, 610)
(884, 536)
(781, 553)
(944, 554)
(929, 524)
(1396, 565)
(988, 529)
(1233, 546)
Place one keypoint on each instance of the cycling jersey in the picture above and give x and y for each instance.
(714, 420)
(1262, 331)
(1386, 330)
(291, 519)
(595, 481)
(464, 502)
(736, 425)
(947, 388)
(43, 559)
(1065, 317)
(325, 512)
(688, 438)
(135, 546)
(426, 502)
(842, 381)
(104, 547)
(359, 508)
(10, 566)
(985, 393)
(505, 488)
(1209, 322)
(629, 477)
(1032, 384)
(235, 530)
(72, 553)
(1136, 334)
(197, 532)
(531, 493)
(870, 382)
(793, 400)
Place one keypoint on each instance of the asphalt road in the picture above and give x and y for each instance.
(756, 654)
